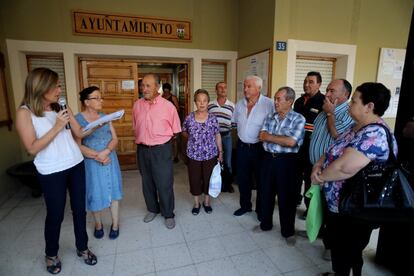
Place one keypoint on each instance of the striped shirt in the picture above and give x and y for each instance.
(248, 127)
(292, 125)
(321, 139)
(223, 113)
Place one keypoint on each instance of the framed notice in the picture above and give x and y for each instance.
(390, 69)
(257, 64)
(5, 117)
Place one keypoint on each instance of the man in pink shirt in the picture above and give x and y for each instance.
(155, 121)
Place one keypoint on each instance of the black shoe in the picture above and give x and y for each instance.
(98, 233)
(303, 216)
(241, 212)
(113, 234)
(207, 209)
(196, 210)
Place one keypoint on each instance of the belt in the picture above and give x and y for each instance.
(279, 154)
(153, 146)
(222, 133)
(248, 144)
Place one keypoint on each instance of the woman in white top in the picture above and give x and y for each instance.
(46, 132)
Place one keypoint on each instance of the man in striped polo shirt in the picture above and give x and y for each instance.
(223, 109)
(328, 125)
(309, 105)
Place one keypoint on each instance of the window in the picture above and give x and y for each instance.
(212, 73)
(54, 63)
(325, 66)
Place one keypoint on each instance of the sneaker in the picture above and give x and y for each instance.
(170, 223)
(326, 254)
(241, 212)
(150, 217)
(98, 233)
(291, 241)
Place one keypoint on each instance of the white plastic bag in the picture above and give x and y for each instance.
(214, 187)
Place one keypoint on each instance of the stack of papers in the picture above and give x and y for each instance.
(105, 119)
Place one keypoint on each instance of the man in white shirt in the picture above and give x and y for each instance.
(249, 115)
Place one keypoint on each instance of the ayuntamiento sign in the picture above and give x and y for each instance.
(99, 24)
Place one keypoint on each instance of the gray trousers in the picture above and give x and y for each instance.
(156, 168)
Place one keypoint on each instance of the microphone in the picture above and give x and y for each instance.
(62, 104)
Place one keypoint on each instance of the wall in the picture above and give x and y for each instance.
(256, 20)
(9, 144)
(214, 22)
(214, 27)
(368, 24)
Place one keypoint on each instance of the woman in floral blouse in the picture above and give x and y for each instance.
(364, 142)
(203, 149)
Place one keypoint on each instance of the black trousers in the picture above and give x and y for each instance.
(249, 157)
(279, 177)
(348, 238)
(304, 169)
(54, 190)
(156, 168)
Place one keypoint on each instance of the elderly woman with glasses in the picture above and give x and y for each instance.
(103, 174)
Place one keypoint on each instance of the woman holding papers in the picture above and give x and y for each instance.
(103, 175)
(43, 127)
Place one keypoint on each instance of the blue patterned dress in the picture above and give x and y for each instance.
(103, 182)
(370, 141)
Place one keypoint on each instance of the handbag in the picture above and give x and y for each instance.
(380, 192)
(214, 187)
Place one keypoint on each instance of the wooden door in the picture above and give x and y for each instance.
(118, 83)
(183, 91)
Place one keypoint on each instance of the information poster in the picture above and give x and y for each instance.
(390, 69)
(257, 64)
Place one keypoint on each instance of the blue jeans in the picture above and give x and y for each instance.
(227, 149)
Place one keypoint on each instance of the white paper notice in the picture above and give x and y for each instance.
(128, 84)
(107, 118)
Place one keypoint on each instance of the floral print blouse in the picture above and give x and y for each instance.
(201, 144)
(370, 141)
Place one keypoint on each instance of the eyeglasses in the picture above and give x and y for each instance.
(96, 98)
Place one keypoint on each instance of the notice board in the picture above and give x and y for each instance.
(390, 69)
(257, 64)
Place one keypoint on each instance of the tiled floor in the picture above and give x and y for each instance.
(215, 244)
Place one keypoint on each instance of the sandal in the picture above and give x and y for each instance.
(53, 265)
(88, 257)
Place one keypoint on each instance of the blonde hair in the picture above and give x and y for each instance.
(38, 82)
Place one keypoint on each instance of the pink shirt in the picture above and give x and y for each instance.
(154, 122)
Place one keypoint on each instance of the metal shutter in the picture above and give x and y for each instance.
(326, 67)
(54, 63)
(212, 73)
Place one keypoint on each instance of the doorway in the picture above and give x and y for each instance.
(118, 80)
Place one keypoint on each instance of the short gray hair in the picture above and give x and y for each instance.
(258, 80)
(290, 93)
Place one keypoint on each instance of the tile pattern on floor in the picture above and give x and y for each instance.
(207, 244)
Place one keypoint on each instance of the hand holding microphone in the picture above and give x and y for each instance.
(63, 106)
